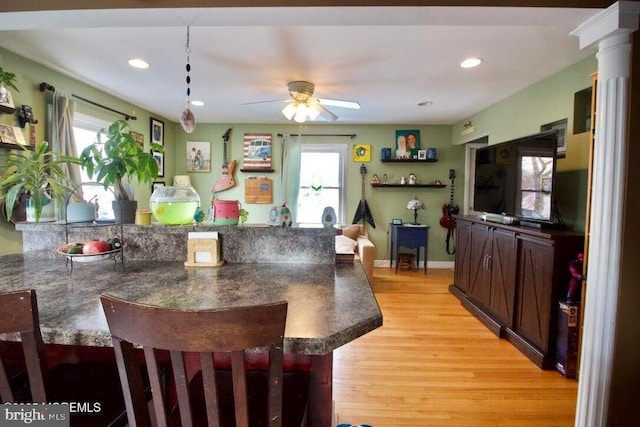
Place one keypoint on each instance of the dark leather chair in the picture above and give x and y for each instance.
(26, 377)
(207, 394)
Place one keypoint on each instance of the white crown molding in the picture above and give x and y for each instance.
(619, 18)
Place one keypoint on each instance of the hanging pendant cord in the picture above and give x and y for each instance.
(187, 50)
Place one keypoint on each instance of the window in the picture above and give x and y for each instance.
(321, 182)
(85, 129)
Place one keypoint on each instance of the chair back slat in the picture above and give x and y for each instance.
(231, 330)
(156, 386)
(239, 376)
(132, 385)
(211, 391)
(182, 387)
(19, 314)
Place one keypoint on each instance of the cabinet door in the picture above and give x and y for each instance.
(535, 277)
(503, 275)
(479, 278)
(462, 270)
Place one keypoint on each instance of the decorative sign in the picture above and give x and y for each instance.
(258, 190)
(257, 152)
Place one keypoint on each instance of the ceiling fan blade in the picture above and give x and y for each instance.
(265, 102)
(327, 114)
(339, 103)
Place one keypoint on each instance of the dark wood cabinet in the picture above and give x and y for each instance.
(511, 278)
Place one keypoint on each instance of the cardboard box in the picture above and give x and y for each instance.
(568, 337)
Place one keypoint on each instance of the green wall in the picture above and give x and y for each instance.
(523, 113)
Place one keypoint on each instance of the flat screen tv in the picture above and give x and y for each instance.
(516, 178)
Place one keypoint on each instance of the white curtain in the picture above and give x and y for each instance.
(290, 172)
(60, 132)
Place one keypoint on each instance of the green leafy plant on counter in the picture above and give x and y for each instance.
(116, 156)
(36, 173)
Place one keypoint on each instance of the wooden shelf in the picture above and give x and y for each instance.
(409, 185)
(409, 161)
(258, 170)
(11, 146)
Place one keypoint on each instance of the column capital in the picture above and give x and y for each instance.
(620, 18)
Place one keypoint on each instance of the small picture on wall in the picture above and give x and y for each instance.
(561, 127)
(159, 158)
(11, 135)
(198, 156)
(362, 153)
(407, 144)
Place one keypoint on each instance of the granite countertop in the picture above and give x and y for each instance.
(329, 305)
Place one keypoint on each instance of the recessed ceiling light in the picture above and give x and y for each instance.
(424, 103)
(471, 62)
(138, 63)
(197, 103)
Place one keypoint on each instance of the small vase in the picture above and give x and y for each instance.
(4, 94)
(48, 214)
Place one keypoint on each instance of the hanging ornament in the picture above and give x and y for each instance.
(187, 118)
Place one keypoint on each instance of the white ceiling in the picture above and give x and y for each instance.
(387, 58)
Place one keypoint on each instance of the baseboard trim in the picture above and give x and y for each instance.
(447, 265)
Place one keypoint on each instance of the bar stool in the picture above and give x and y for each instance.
(405, 260)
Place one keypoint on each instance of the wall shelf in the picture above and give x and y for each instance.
(409, 185)
(257, 170)
(409, 161)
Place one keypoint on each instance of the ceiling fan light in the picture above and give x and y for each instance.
(301, 113)
(289, 111)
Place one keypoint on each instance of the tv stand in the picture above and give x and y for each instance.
(542, 225)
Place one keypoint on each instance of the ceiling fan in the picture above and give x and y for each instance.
(303, 105)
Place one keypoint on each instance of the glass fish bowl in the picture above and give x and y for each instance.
(174, 205)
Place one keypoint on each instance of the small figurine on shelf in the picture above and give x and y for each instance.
(375, 179)
(403, 181)
(575, 268)
(412, 178)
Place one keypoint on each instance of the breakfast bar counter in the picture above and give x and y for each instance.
(329, 305)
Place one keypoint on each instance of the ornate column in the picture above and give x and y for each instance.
(611, 31)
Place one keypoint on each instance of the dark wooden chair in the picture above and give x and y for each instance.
(207, 394)
(25, 376)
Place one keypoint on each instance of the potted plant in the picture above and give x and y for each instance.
(37, 175)
(7, 81)
(116, 156)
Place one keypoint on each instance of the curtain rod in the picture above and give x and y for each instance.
(350, 135)
(46, 86)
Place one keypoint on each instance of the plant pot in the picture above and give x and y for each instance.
(226, 212)
(124, 211)
(49, 212)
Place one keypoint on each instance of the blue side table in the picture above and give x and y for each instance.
(410, 237)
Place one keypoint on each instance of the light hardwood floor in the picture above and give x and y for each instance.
(433, 364)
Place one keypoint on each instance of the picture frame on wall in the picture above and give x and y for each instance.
(198, 156)
(156, 130)
(11, 135)
(156, 184)
(407, 144)
(361, 153)
(422, 154)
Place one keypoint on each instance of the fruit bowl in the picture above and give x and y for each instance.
(88, 257)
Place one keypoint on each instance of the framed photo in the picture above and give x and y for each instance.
(11, 135)
(156, 184)
(159, 158)
(198, 156)
(361, 153)
(407, 144)
(157, 131)
(8, 104)
(138, 138)
(157, 136)
(561, 126)
(422, 154)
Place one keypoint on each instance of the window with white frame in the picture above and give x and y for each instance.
(321, 182)
(85, 129)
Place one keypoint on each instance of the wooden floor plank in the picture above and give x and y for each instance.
(433, 364)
